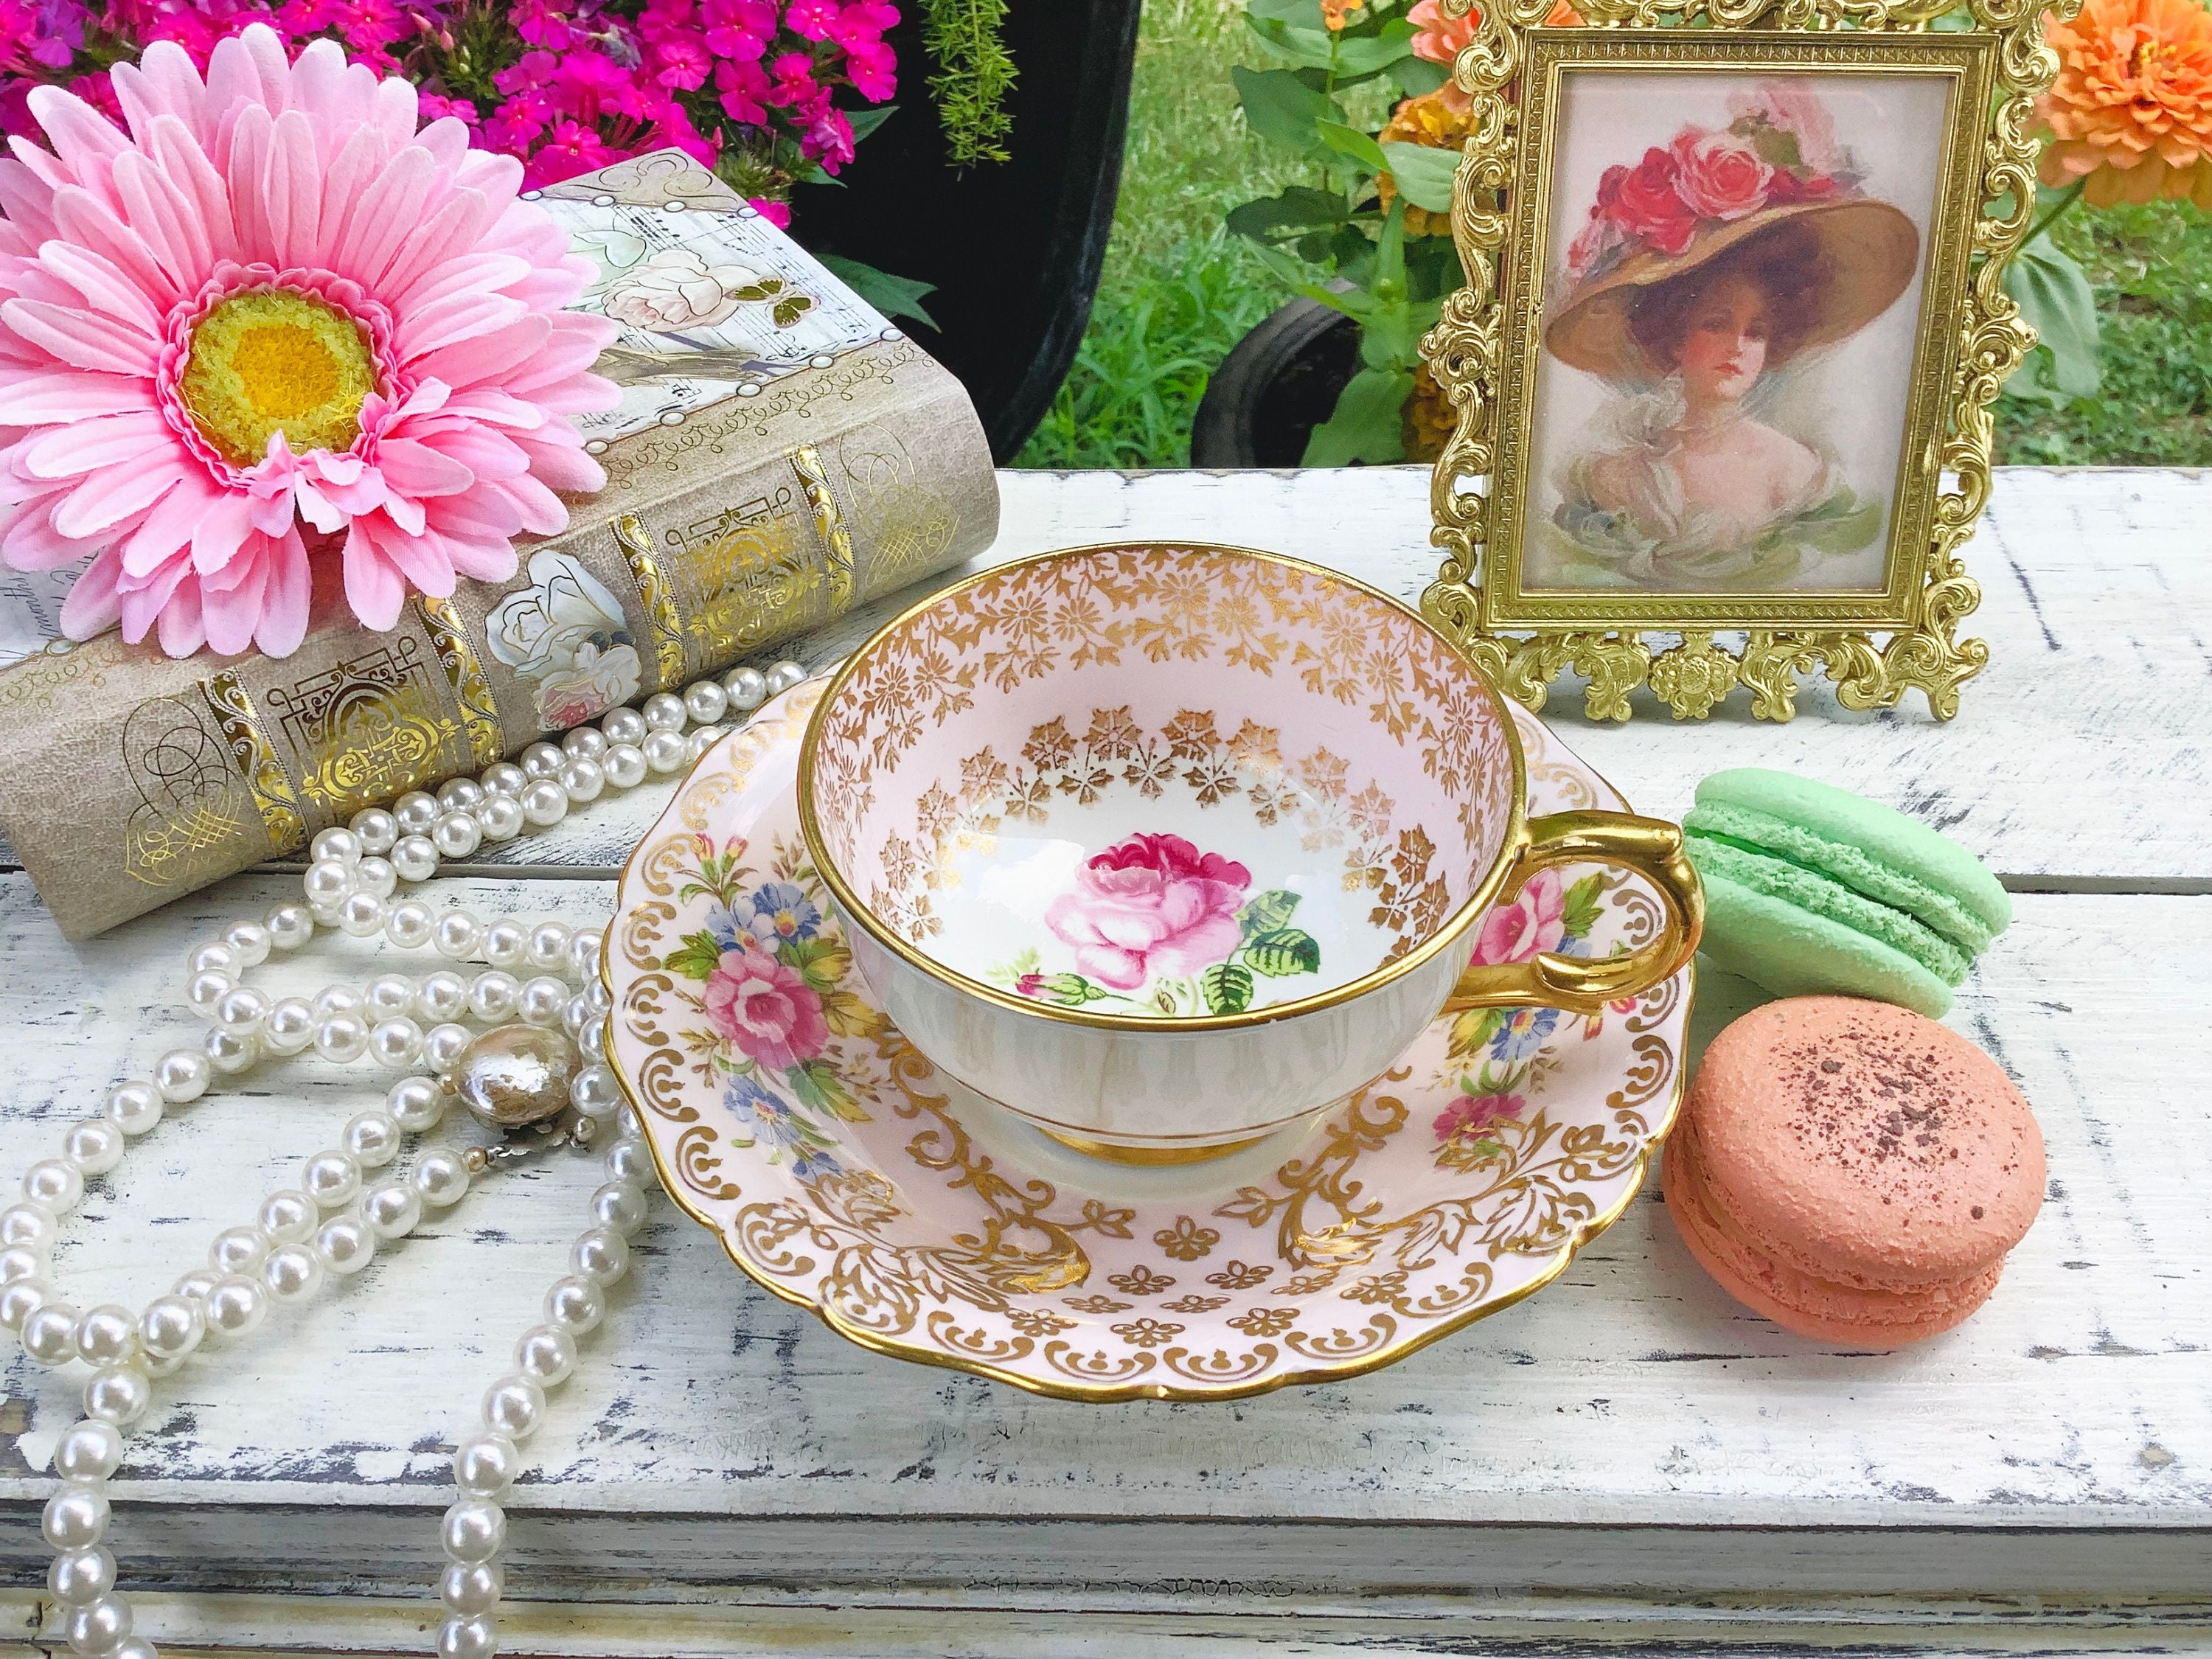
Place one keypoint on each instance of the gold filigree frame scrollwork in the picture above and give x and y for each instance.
(1873, 647)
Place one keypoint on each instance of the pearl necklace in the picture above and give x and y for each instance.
(343, 1211)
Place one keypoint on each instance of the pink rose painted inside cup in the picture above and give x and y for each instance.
(1151, 905)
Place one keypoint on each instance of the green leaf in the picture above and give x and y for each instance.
(1365, 424)
(1279, 106)
(821, 963)
(1228, 988)
(2054, 296)
(1424, 173)
(1351, 140)
(1300, 13)
(893, 296)
(816, 1084)
(697, 958)
(1266, 912)
(1581, 907)
(1298, 208)
(1418, 77)
(1283, 951)
(865, 121)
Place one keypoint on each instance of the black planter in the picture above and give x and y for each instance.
(1013, 246)
(1277, 385)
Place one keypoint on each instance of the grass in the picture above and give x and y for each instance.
(1177, 292)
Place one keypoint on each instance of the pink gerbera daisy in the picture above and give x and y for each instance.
(275, 304)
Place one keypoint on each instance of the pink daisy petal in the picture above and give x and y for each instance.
(93, 606)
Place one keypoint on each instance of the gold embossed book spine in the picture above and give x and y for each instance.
(780, 456)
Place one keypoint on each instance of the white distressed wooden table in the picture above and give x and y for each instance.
(1628, 1463)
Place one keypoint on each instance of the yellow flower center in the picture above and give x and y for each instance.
(277, 360)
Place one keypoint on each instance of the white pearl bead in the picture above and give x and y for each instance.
(337, 999)
(249, 942)
(203, 991)
(119, 1394)
(623, 726)
(585, 946)
(242, 1010)
(461, 794)
(665, 752)
(374, 1138)
(541, 1001)
(600, 1254)
(594, 1092)
(748, 689)
(783, 676)
(492, 994)
(456, 835)
(415, 858)
(49, 1335)
(505, 944)
(546, 803)
(172, 1327)
(593, 1040)
(88, 1450)
(664, 712)
(441, 997)
(458, 935)
(392, 1209)
(545, 1353)
(504, 778)
(415, 811)
(236, 1306)
(346, 1245)
(293, 1273)
(415, 1103)
(290, 1026)
(342, 1037)
(106, 1335)
(377, 876)
(471, 1587)
(701, 740)
(28, 1224)
(408, 924)
(542, 760)
(230, 1053)
(485, 1465)
(468, 1638)
(20, 1298)
(584, 742)
(396, 1042)
(576, 1304)
(290, 926)
(197, 1284)
(239, 1250)
(135, 1647)
(214, 957)
(474, 1530)
(54, 1184)
(80, 1576)
(75, 1517)
(22, 1261)
(337, 845)
(583, 781)
(624, 766)
(387, 997)
(361, 915)
(98, 1627)
(576, 1015)
(287, 1217)
(546, 947)
(440, 1178)
(704, 701)
(514, 1407)
(180, 1076)
(444, 1046)
(500, 817)
(327, 881)
(332, 1179)
(96, 1146)
(628, 1159)
(619, 1204)
(376, 830)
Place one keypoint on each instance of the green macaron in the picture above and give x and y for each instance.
(1811, 888)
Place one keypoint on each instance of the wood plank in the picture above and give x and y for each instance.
(1556, 1443)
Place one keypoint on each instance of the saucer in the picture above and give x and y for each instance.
(845, 1173)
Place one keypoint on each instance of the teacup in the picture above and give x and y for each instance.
(1164, 848)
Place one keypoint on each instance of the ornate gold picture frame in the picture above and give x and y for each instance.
(1733, 322)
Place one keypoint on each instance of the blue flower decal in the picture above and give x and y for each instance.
(734, 933)
(763, 1117)
(781, 911)
(1524, 1033)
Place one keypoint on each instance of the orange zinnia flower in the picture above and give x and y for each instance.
(2131, 111)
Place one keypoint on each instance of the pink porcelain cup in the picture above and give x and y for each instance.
(1163, 848)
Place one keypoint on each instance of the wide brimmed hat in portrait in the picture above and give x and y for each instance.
(1773, 189)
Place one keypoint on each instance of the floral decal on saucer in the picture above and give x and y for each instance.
(1158, 927)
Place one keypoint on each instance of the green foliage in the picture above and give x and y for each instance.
(894, 296)
(2149, 268)
(698, 957)
(1581, 905)
(1265, 913)
(973, 77)
(1228, 988)
(2053, 293)
(1283, 952)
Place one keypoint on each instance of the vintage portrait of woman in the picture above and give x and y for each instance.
(1707, 277)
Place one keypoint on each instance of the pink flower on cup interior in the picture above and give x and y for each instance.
(1644, 202)
(1718, 174)
(1441, 39)
(1151, 904)
(766, 1009)
(1534, 923)
(1470, 1115)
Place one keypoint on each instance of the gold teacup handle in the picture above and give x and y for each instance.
(1652, 848)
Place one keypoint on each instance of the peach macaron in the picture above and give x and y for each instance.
(1853, 1170)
